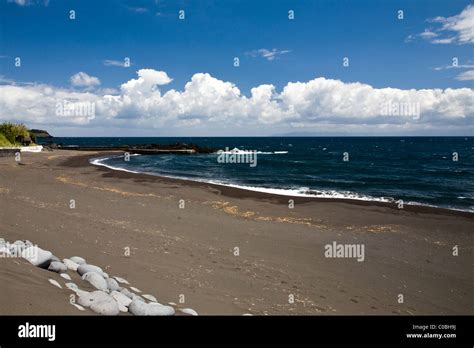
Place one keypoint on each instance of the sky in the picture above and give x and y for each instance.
(238, 67)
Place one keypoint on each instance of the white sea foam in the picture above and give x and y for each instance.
(294, 192)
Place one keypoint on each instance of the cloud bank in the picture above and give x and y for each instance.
(209, 103)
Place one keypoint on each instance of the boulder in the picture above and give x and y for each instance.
(37, 256)
(112, 284)
(55, 258)
(95, 280)
(100, 303)
(57, 267)
(106, 307)
(138, 307)
(85, 268)
(71, 264)
(121, 298)
(87, 298)
(127, 293)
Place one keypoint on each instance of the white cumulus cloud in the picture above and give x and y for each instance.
(81, 79)
(457, 29)
(211, 104)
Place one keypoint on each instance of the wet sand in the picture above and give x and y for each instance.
(191, 251)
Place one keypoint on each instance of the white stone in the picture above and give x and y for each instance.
(71, 286)
(85, 268)
(87, 298)
(78, 260)
(55, 283)
(189, 311)
(56, 266)
(71, 264)
(121, 280)
(127, 293)
(136, 297)
(135, 289)
(138, 307)
(150, 298)
(78, 306)
(121, 298)
(4, 250)
(100, 303)
(96, 280)
(106, 307)
(37, 256)
(19, 246)
(65, 276)
(112, 284)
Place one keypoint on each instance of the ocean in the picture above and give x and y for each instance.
(432, 171)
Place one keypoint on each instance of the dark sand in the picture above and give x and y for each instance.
(190, 251)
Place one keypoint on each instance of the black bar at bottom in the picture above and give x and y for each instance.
(295, 330)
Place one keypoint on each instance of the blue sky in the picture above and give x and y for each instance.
(383, 51)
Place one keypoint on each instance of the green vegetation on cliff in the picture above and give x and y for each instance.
(17, 134)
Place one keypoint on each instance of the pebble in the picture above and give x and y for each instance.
(55, 283)
(112, 284)
(138, 307)
(135, 289)
(96, 280)
(85, 268)
(37, 256)
(65, 276)
(56, 266)
(78, 260)
(71, 264)
(71, 286)
(150, 298)
(78, 306)
(189, 311)
(121, 280)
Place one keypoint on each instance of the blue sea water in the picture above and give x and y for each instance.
(417, 170)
